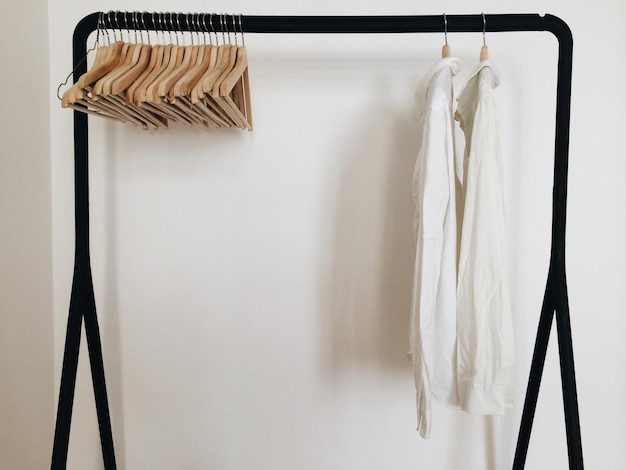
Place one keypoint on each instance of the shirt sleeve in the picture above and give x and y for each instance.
(431, 185)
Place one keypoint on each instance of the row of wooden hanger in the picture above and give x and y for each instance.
(202, 83)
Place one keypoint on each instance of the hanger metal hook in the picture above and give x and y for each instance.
(191, 30)
(117, 25)
(137, 27)
(179, 29)
(101, 29)
(95, 45)
(133, 20)
(110, 22)
(161, 28)
(243, 38)
(217, 42)
(204, 29)
(163, 18)
(235, 29)
(126, 25)
(484, 28)
(193, 27)
(190, 26)
(175, 29)
(199, 29)
(222, 28)
(143, 24)
(445, 28)
(170, 26)
(230, 40)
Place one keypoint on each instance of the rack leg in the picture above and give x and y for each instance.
(534, 381)
(94, 346)
(568, 383)
(82, 304)
(68, 375)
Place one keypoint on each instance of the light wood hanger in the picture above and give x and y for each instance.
(103, 88)
(109, 58)
(80, 97)
(126, 61)
(204, 101)
(484, 51)
(111, 62)
(152, 100)
(229, 60)
(445, 50)
(202, 91)
(140, 90)
(231, 92)
(189, 55)
(206, 58)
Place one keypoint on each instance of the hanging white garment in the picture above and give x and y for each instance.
(433, 309)
(485, 350)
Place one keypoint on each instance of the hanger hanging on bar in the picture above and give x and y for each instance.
(484, 51)
(445, 50)
(150, 86)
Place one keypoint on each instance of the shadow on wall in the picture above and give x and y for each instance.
(367, 281)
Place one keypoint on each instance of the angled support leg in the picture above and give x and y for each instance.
(68, 375)
(82, 303)
(568, 380)
(534, 381)
(555, 298)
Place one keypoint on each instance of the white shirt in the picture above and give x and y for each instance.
(433, 309)
(485, 351)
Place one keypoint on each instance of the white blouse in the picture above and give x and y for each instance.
(433, 310)
(485, 350)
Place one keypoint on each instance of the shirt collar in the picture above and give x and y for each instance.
(452, 63)
(495, 73)
(474, 82)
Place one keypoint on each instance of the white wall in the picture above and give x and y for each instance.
(26, 321)
(253, 288)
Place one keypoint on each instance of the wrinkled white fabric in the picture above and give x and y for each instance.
(433, 309)
(485, 351)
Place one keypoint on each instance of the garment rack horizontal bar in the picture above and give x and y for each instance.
(155, 21)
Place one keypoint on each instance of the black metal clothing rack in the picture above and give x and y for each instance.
(555, 302)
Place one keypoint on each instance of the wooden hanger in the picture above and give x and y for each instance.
(229, 62)
(152, 99)
(445, 50)
(108, 59)
(139, 91)
(484, 51)
(231, 91)
(202, 91)
(204, 100)
(125, 80)
(80, 96)
(133, 63)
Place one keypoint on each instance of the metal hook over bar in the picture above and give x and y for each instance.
(243, 38)
(484, 28)
(99, 24)
(445, 28)
(235, 30)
